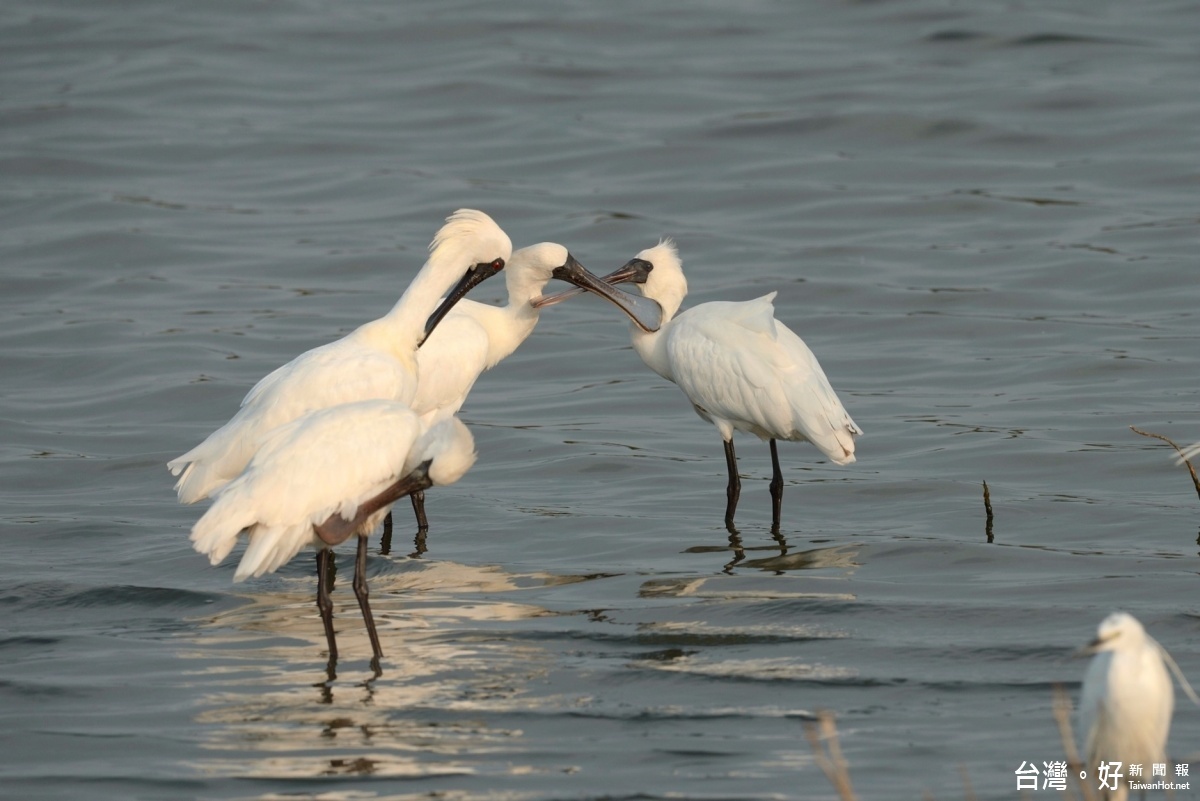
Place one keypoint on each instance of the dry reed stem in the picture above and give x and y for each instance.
(966, 779)
(823, 739)
(1062, 716)
(987, 507)
(1169, 441)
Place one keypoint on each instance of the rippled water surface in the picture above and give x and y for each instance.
(981, 216)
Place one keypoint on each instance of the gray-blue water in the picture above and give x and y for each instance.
(982, 217)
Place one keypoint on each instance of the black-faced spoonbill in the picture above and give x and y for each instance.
(1126, 703)
(377, 360)
(323, 477)
(742, 369)
(474, 336)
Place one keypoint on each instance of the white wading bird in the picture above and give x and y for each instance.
(1126, 703)
(323, 477)
(742, 369)
(474, 337)
(377, 360)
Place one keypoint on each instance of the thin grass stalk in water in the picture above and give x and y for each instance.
(822, 737)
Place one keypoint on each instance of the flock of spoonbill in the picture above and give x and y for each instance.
(325, 445)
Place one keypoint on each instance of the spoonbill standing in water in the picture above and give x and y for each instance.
(475, 337)
(1126, 703)
(377, 360)
(323, 477)
(742, 369)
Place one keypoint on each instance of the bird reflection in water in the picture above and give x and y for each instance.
(453, 659)
(785, 560)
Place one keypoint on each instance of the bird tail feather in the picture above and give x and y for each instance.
(217, 530)
(271, 547)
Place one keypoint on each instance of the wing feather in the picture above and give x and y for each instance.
(327, 376)
(328, 461)
(745, 368)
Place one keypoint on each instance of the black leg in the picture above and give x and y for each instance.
(418, 502)
(324, 605)
(360, 592)
(776, 488)
(385, 542)
(734, 490)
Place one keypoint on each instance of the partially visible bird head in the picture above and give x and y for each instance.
(444, 452)
(1118, 631)
(548, 260)
(659, 272)
(666, 287)
(531, 268)
(474, 238)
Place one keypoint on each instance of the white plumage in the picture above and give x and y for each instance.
(475, 337)
(376, 361)
(742, 369)
(1127, 700)
(336, 470)
(326, 463)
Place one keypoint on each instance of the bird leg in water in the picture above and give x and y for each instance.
(418, 502)
(776, 488)
(385, 540)
(324, 604)
(419, 548)
(361, 593)
(734, 490)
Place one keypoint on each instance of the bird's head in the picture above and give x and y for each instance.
(1118, 631)
(443, 453)
(657, 272)
(475, 248)
(549, 260)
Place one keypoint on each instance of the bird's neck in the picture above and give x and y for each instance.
(507, 326)
(406, 320)
(653, 349)
(522, 318)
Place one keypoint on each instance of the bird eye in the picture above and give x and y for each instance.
(497, 265)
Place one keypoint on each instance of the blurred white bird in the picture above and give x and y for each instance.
(323, 477)
(1126, 703)
(377, 360)
(1190, 451)
(474, 337)
(742, 369)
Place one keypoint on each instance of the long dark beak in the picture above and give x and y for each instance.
(644, 312)
(337, 528)
(475, 275)
(1091, 648)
